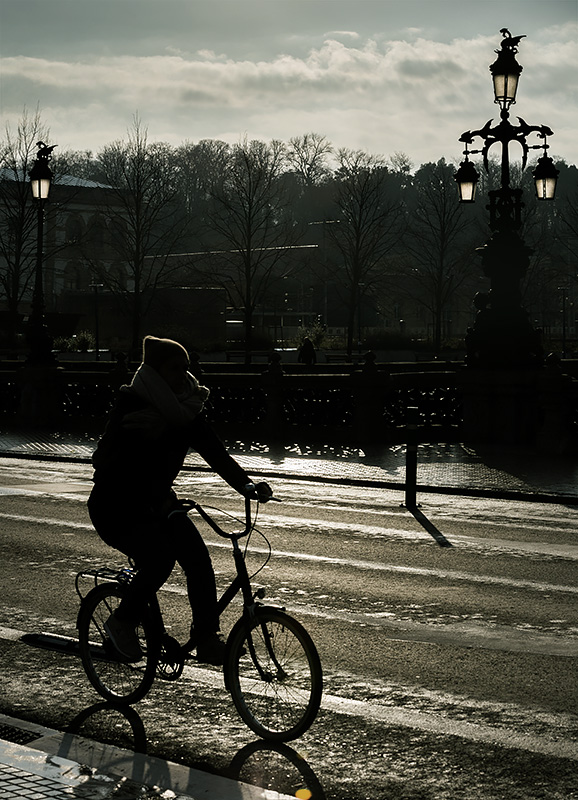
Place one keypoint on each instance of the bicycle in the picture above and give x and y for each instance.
(272, 669)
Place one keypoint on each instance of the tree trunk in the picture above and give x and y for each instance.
(248, 335)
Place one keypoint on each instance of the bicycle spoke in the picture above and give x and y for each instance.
(112, 676)
(275, 676)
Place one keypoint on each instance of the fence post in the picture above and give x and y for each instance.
(412, 417)
(272, 382)
(369, 386)
(41, 394)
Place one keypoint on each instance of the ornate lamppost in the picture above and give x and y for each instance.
(39, 340)
(510, 395)
(40, 378)
(502, 335)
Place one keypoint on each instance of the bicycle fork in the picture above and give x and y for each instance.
(250, 617)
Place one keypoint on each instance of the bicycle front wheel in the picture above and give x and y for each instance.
(274, 675)
(112, 676)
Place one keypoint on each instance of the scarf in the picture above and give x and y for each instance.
(164, 407)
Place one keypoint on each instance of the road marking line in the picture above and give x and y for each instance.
(451, 575)
(433, 723)
(538, 548)
(47, 521)
(468, 633)
(418, 720)
(10, 634)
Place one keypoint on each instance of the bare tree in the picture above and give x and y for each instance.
(568, 228)
(78, 163)
(308, 156)
(144, 223)
(401, 166)
(438, 242)
(199, 166)
(249, 213)
(369, 214)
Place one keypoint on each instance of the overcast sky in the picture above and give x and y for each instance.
(385, 76)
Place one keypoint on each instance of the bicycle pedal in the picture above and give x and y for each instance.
(171, 659)
(170, 672)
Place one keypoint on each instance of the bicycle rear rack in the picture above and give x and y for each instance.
(124, 576)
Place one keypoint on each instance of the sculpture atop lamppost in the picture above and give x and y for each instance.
(502, 334)
(38, 338)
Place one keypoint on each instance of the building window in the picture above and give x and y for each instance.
(96, 233)
(72, 279)
(73, 230)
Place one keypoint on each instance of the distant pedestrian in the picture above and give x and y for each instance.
(306, 354)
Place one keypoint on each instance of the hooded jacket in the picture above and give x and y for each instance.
(142, 460)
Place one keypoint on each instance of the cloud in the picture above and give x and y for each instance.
(342, 35)
(415, 96)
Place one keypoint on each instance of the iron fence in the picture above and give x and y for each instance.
(326, 406)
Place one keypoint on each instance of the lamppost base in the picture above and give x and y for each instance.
(40, 343)
(503, 339)
(528, 407)
(41, 394)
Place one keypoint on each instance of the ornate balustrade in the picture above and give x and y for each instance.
(325, 407)
(353, 408)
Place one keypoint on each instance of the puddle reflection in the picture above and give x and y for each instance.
(105, 722)
(276, 767)
(271, 766)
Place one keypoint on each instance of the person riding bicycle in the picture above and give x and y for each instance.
(150, 430)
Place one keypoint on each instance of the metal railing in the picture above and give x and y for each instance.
(354, 406)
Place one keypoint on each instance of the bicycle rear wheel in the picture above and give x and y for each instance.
(113, 677)
(274, 675)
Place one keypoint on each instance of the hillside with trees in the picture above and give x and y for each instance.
(358, 249)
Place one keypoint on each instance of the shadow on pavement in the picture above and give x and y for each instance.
(275, 767)
(428, 526)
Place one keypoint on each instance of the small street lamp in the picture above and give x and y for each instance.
(467, 178)
(39, 340)
(502, 334)
(545, 177)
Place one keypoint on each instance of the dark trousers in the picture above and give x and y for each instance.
(156, 543)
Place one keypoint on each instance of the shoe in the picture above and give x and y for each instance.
(211, 650)
(124, 638)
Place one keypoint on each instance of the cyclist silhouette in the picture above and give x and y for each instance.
(149, 432)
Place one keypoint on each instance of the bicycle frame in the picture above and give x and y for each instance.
(241, 582)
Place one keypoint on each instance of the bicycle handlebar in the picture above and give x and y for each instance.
(258, 491)
(251, 492)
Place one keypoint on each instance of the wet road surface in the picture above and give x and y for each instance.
(449, 642)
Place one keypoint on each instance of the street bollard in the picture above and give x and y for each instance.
(412, 417)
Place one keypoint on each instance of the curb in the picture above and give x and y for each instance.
(491, 494)
(51, 757)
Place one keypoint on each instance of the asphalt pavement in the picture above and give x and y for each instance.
(39, 763)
